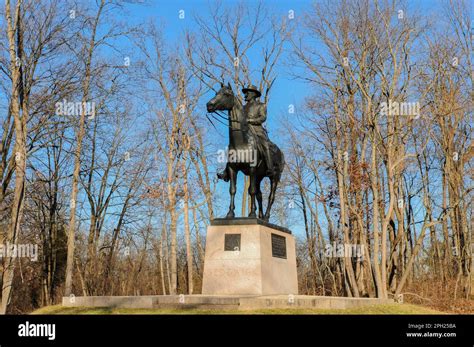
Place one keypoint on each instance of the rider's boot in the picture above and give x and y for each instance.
(224, 175)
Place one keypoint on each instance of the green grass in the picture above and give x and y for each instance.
(376, 309)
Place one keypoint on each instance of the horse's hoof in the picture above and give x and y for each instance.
(260, 215)
(252, 215)
(266, 218)
(230, 215)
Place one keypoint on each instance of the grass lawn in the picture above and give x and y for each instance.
(376, 309)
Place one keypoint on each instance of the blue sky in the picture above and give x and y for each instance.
(167, 14)
(286, 89)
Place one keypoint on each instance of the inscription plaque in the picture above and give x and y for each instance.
(232, 242)
(278, 246)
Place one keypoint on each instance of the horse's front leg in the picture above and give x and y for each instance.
(232, 190)
(252, 193)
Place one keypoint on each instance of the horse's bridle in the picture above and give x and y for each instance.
(223, 117)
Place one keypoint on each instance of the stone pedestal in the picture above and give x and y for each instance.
(247, 256)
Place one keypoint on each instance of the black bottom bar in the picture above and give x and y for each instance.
(294, 330)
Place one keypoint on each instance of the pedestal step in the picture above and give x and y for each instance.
(219, 303)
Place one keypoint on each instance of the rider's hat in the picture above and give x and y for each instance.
(252, 88)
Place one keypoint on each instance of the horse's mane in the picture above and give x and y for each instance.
(239, 102)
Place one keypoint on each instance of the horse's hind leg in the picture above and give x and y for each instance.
(252, 193)
(259, 200)
(271, 198)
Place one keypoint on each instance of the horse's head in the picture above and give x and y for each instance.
(223, 101)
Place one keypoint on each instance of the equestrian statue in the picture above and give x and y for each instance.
(250, 150)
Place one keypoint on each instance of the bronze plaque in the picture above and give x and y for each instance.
(278, 246)
(232, 242)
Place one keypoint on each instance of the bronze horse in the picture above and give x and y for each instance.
(241, 140)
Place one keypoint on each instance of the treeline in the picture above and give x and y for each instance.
(391, 124)
(108, 158)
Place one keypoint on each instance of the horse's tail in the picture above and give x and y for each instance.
(279, 163)
(282, 161)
